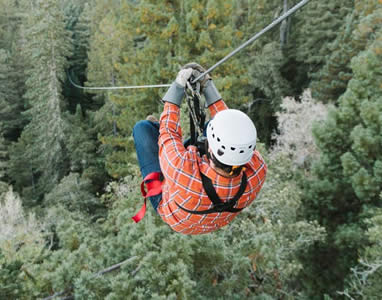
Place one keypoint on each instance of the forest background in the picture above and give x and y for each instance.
(69, 180)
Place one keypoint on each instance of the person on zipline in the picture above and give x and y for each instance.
(197, 194)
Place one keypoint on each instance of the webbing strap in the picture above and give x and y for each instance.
(154, 187)
(218, 205)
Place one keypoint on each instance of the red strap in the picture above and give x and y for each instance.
(154, 186)
(139, 216)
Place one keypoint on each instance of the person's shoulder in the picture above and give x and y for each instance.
(257, 162)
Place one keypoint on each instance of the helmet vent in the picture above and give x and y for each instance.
(250, 147)
(241, 151)
(233, 148)
(213, 135)
(223, 147)
(218, 139)
(220, 152)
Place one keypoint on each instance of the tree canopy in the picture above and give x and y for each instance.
(69, 178)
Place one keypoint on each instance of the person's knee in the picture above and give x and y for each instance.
(145, 134)
(141, 127)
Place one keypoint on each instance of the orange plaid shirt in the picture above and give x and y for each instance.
(182, 183)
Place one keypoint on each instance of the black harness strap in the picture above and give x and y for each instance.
(218, 205)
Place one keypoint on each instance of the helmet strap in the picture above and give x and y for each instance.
(233, 169)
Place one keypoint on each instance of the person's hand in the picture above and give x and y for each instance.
(175, 93)
(207, 86)
(183, 76)
(197, 71)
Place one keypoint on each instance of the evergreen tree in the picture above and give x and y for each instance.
(365, 279)
(9, 22)
(3, 162)
(255, 257)
(75, 193)
(105, 51)
(317, 28)
(347, 182)
(41, 149)
(330, 82)
(78, 23)
(82, 145)
(11, 286)
(10, 99)
(269, 86)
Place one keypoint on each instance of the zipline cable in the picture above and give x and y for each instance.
(241, 47)
(118, 87)
(255, 37)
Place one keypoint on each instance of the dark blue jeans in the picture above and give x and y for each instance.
(146, 135)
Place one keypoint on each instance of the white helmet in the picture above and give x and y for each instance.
(231, 136)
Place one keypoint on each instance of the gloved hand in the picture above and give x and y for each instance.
(207, 86)
(183, 76)
(197, 71)
(175, 93)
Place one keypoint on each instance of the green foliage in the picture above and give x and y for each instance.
(82, 145)
(11, 286)
(269, 87)
(59, 160)
(255, 256)
(318, 27)
(3, 157)
(74, 193)
(10, 100)
(331, 81)
(21, 233)
(365, 278)
(346, 185)
(47, 46)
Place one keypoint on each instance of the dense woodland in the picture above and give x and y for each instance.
(69, 179)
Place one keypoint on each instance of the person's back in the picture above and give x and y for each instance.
(183, 187)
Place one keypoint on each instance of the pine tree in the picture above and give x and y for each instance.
(44, 154)
(365, 278)
(75, 194)
(82, 145)
(347, 182)
(317, 28)
(3, 162)
(10, 99)
(9, 21)
(254, 257)
(11, 69)
(331, 81)
(78, 20)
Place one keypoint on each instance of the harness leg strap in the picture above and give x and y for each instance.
(154, 187)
